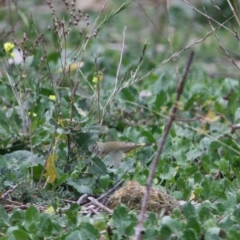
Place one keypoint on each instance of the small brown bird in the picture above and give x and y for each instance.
(101, 149)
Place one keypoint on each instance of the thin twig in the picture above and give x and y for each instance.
(82, 50)
(177, 54)
(22, 110)
(221, 46)
(79, 201)
(8, 192)
(110, 190)
(151, 20)
(208, 17)
(234, 12)
(139, 228)
(169, 39)
(116, 90)
(107, 193)
(96, 203)
(235, 127)
(98, 92)
(190, 127)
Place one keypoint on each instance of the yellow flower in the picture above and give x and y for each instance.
(97, 77)
(8, 47)
(52, 97)
(50, 210)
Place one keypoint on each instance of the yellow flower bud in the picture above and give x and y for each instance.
(97, 77)
(52, 97)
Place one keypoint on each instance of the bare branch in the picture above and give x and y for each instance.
(139, 228)
(96, 203)
(116, 89)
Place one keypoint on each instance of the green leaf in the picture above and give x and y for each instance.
(32, 216)
(149, 136)
(165, 232)
(23, 159)
(230, 186)
(130, 94)
(75, 235)
(206, 189)
(85, 139)
(181, 183)
(160, 100)
(237, 214)
(53, 56)
(105, 181)
(72, 214)
(123, 221)
(204, 213)
(17, 217)
(98, 167)
(212, 233)
(46, 226)
(28, 61)
(172, 224)
(86, 232)
(78, 187)
(223, 165)
(60, 180)
(189, 233)
(4, 218)
(189, 210)
(198, 177)
(89, 231)
(194, 224)
(151, 233)
(3, 162)
(36, 170)
(234, 232)
(193, 154)
(20, 234)
(168, 171)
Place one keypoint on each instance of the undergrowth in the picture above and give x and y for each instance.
(71, 78)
